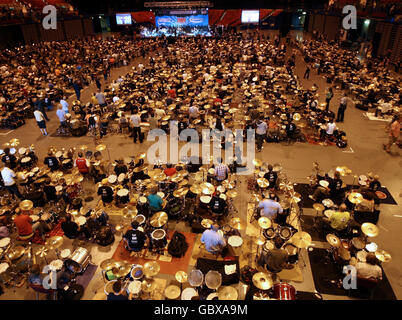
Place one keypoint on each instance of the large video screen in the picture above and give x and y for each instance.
(250, 16)
(200, 20)
(123, 19)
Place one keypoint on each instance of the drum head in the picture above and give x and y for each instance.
(45, 216)
(59, 154)
(188, 293)
(269, 233)
(57, 264)
(213, 279)
(112, 178)
(196, 277)
(122, 192)
(285, 233)
(136, 272)
(109, 287)
(235, 241)
(358, 243)
(158, 234)
(4, 242)
(213, 296)
(268, 245)
(134, 287)
(26, 159)
(65, 253)
(140, 219)
(34, 217)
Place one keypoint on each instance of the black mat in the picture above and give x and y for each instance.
(208, 264)
(389, 199)
(323, 273)
(303, 295)
(307, 225)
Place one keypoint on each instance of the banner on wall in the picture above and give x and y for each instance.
(181, 21)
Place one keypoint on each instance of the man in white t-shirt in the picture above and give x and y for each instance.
(8, 176)
(40, 120)
(331, 126)
(64, 104)
(135, 120)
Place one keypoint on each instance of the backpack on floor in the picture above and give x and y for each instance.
(178, 246)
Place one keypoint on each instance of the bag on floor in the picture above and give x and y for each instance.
(178, 246)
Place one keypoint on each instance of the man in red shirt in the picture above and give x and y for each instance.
(82, 164)
(393, 134)
(169, 171)
(24, 225)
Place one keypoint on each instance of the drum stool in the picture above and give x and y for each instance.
(205, 252)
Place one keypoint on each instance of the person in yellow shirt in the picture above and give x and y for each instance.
(94, 101)
(339, 220)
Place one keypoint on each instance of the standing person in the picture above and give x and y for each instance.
(328, 97)
(8, 176)
(77, 88)
(341, 109)
(261, 133)
(40, 120)
(393, 134)
(64, 104)
(101, 99)
(61, 115)
(135, 122)
(307, 73)
(98, 84)
(270, 208)
(39, 104)
(82, 164)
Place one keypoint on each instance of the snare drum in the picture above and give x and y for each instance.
(140, 219)
(67, 164)
(284, 291)
(4, 242)
(135, 288)
(122, 196)
(358, 244)
(235, 241)
(56, 264)
(64, 254)
(26, 162)
(285, 233)
(158, 238)
(136, 272)
(269, 233)
(3, 267)
(188, 294)
(174, 206)
(292, 252)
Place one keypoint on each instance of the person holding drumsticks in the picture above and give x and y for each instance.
(214, 242)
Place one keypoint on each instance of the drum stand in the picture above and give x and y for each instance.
(300, 257)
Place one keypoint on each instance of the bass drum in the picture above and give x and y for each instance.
(79, 260)
(284, 291)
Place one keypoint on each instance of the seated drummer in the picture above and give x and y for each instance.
(120, 167)
(271, 176)
(82, 163)
(217, 204)
(275, 260)
(25, 225)
(214, 242)
(221, 171)
(9, 159)
(106, 192)
(134, 238)
(270, 208)
(340, 219)
(155, 201)
(119, 293)
(170, 170)
(367, 204)
(70, 228)
(50, 191)
(334, 189)
(369, 269)
(51, 161)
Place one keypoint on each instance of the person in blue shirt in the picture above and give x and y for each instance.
(269, 208)
(155, 201)
(213, 241)
(61, 115)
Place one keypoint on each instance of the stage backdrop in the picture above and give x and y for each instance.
(182, 21)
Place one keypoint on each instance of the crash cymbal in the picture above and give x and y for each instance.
(296, 197)
(318, 207)
(151, 268)
(257, 163)
(108, 264)
(159, 177)
(180, 192)
(155, 172)
(166, 118)
(181, 276)
(54, 242)
(343, 170)
(183, 183)
(182, 173)
(333, 240)
(159, 219)
(301, 239)
(262, 281)
(355, 197)
(296, 117)
(176, 178)
(229, 184)
(227, 293)
(148, 285)
(26, 205)
(231, 194)
(100, 147)
(14, 142)
(78, 179)
(196, 189)
(121, 269)
(42, 252)
(172, 292)
(264, 222)
(83, 147)
(236, 223)
(16, 252)
(207, 188)
(276, 167)
(262, 183)
(206, 223)
(369, 229)
(383, 256)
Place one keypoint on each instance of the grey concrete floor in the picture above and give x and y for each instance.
(366, 154)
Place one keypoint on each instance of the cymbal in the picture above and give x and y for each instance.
(42, 252)
(369, 229)
(262, 182)
(129, 214)
(108, 264)
(262, 281)
(343, 170)
(256, 197)
(259, 240)
(100, 147)
(159, 219)
(277, 167)
(26, 205)
(16, 252)
(151, 268)
(183, 183)
(176, 177)
(159, 177)
(148, 285)
(301, 239)
(383, 256)
(207, 188)
(181, 276)
(172, 292)
(140, 168)
(140, 156)
(121, 269)
(236, 223)
(231, 194)
(229, 184)
(227, 293)
(165, 118)
(206, 223)
(180, 192)
(333, 240)
(264, 222)
(296, 117)
(318, 207)
(154, 172)
(257, 162)
(195, 188)
(14, 142)
(54, 242)
(355, 197)
(83, 147)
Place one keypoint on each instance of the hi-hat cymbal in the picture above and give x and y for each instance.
(369, 229)
(229, 184)
(54, 242)
(207, 188)
(301, 239)
(148, 285)
(196, 189)
(262, 183)
(26, 205)
(206, 223)
(180, 192)
(259, 240)
(172, 292)
(257, 162)
(262, 281)
(159, 219)
(264, 222)
(100, 147)
(108, 264)
(181, 276)
(355, 197)
(16, 252)
(318, 207)
(227, 293)
(236, 223)
(231, 194)
(383, 256)
(14, 142)
(151, 268)
(333, 240)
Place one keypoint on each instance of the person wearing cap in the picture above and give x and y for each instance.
(134, 238)
(82, 163)
(8, 177)
(106, 192)
(213, 241)
(51, 161)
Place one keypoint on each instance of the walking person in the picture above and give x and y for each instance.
(328, 98)
(307, 73)
(77, 88)
(394, 133)
(341, 109)
(98, 84)
(40, 120)
(135, 122)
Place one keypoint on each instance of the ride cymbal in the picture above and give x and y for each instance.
(151, 268)
(369, 229)
(227, 293)
(159, 219)
(262, 281)
(181, 276)
(333, 240)
(301, 239)
(264, 223)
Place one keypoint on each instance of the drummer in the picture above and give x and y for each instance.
(332, 189)
(214, 242)
(275, 260)
(221, 171)
(270, 208)
(340, 219)
(369, 269)
(25, 225)
(50, 191)
(106, 192)
(218, 205)
(134, 238)
(119, 293)
(120, 167)
(155, 201)
(8, 176)
(9, 159)
(271, 176)
(51, 161)
(82, 164)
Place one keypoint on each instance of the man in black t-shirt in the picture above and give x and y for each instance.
(9, 159)
(271, 176)
(290, 130)
(134, 239)
(335, 186)
(106, 192)
(51, 161)
(50, 191)
(70, 228)
(217, 204)
(375, 184)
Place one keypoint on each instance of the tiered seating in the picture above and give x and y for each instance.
(231, 18)
(36, 3)
(143, 17)
(264, 13)
(214, 15)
